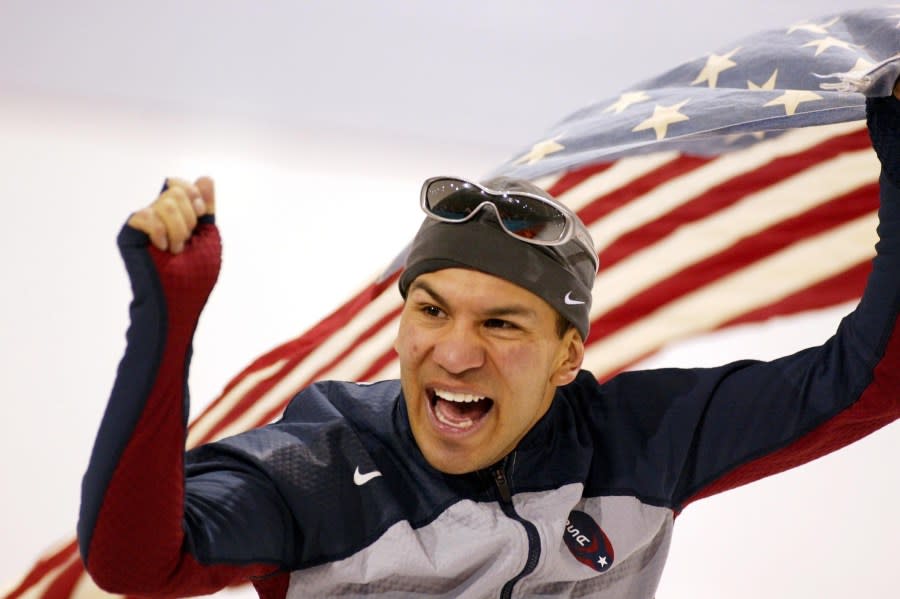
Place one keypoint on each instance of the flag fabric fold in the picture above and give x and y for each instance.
(712, 191)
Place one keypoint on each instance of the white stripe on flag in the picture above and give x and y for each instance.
(765, 281)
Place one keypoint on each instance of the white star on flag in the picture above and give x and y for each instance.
(767, 86)
(541, 150)
(792, 98)
(826, 43)
(626, 100)
(662, 117)
(812, 27)
(715, 64)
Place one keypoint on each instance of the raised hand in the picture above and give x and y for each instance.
(170, 220)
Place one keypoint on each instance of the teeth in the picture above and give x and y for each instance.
(457, 397)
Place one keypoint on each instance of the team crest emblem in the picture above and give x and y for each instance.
(587, 542)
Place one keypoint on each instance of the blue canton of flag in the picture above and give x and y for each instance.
(811, 73)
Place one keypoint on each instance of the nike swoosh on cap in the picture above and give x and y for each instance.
(359, 479)
(572, 302)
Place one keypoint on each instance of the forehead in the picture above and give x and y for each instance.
(482, 292)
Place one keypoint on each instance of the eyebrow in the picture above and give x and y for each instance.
(494, 312)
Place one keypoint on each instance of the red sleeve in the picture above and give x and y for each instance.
(131, 527)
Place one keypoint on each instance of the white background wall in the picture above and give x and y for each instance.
(306, 113)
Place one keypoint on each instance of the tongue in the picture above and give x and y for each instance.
(461, 413)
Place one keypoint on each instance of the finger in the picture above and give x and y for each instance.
(145, 220)
(193, 192)
(174, 209)
(208, 193)
(185, 204)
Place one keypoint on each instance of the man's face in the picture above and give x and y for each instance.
(480, 359)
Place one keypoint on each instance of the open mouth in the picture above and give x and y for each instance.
(458, 412)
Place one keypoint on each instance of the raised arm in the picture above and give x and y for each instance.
(706, 430)
(138, 528)
(767, 417)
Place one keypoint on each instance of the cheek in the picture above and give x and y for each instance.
(526, 360)
(407, 345)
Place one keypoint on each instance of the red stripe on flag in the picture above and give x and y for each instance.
(44, 567)
(63, 585)
(573, 178)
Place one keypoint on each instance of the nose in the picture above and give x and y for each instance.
(458, 350)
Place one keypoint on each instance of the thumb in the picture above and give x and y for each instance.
(208, 191)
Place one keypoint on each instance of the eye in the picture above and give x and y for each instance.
(433, 311)
(499, 323)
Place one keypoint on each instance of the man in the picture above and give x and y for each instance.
(494, 467)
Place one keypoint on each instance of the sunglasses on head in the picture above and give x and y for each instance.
(525, 216)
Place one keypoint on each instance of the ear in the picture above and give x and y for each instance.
(571, 355)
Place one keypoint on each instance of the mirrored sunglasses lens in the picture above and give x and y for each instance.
(530, 218)
(452, 199)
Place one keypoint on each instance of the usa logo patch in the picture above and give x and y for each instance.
(587, 542)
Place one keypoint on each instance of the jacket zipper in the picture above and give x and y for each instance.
(498, 473)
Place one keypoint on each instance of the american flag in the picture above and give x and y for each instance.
(713, 192)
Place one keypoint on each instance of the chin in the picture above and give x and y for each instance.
(452, 464)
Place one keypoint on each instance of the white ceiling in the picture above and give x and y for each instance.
(474, 71)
